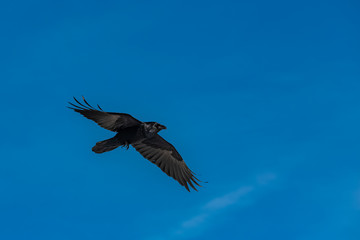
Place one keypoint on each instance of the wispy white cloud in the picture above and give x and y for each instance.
(237, 197)
(195, 221)
(228, 199)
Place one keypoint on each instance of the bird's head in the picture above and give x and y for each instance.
(152, 128)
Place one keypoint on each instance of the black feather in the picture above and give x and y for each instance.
(88, 103)
(81, 104)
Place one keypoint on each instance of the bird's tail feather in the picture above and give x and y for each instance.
(107, 145)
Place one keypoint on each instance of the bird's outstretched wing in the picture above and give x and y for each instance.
(164, 155)
(108, 120)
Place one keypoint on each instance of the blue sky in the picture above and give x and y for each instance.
(261, 99)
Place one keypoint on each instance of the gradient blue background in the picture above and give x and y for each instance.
(262, 100)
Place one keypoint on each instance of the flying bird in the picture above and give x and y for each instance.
(143, 136)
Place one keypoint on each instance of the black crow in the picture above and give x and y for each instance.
(143, 136)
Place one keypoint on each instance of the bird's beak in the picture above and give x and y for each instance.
(162, 127)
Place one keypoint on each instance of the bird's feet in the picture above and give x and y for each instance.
(126, 145)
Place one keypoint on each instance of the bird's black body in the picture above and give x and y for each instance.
(124, 137)
(143, 136)
(130, 135)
